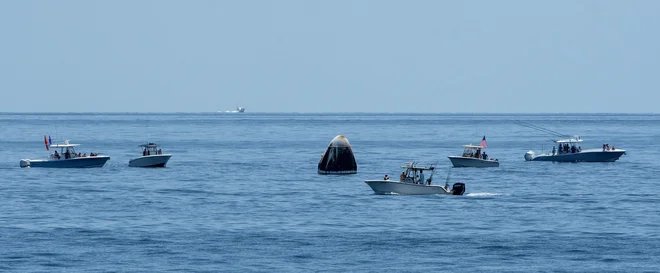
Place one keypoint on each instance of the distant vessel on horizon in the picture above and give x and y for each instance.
(238, 110)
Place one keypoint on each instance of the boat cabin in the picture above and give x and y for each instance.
(474, 152)
(150, 149)
(411, 173)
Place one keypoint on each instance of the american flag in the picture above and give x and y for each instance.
(483, 143)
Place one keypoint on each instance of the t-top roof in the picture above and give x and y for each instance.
(569, 140)
(410, 165)
(66, 144)
(470, 146)
(63, 145)
(149, 145)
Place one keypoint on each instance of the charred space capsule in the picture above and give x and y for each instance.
(338, 158)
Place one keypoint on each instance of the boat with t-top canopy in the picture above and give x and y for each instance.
(66, 158)
(568, 149)
(152, 156)
(412, 182)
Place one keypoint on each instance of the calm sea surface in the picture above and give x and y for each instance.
(241, 194)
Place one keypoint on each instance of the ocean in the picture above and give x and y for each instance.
(241, 193)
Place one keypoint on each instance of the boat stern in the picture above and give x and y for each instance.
(25, 163)
(529, 156)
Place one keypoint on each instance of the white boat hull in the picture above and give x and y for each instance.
(403, 188)
(591, 155)
(150, 161)
(78, 162)
(459, 161)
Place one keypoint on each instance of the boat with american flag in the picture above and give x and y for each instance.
(474, 156)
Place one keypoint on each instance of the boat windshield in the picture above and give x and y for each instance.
(472, 151)
(413, 174)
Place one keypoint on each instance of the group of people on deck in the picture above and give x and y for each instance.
(147, 152)
(419, 179)
(478, 154)
(69, 155)
(606, 147)
(565, 149)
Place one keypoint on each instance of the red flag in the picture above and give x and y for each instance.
(483, 143)
(46, 141)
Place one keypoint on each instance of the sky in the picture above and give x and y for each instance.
(565, 56)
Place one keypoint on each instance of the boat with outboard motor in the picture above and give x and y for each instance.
(569, 150)
(152, 156)
(412, 182)
(473, 157)
(66, 158)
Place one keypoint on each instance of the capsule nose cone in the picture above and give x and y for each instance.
(340, 141)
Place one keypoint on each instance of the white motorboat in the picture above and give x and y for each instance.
(412, 182)
(473, 157)
(152, 156)
(569, 151)
(66, 158)
(238, 110)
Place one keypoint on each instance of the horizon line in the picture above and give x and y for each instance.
(441, 113)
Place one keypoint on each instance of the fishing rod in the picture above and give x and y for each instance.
(541, 129)
(432, 171)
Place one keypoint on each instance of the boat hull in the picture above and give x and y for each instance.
(396, 187)
(594, 155)
(79, 162)
(150, 161)
(459, 161)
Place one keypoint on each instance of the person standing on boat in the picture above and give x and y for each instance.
(402, 177)
(421, 177)
(553, 150)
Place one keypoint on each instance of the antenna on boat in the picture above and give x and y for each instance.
(432, 167)
(147, 131)
(447, 180)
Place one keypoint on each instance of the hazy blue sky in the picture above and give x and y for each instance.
(330, 56)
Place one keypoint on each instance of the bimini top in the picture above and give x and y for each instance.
(411, 165)
(66, 144)
(470, 146)
(148, 145)
(569, 140)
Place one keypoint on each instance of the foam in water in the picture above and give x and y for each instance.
(482, 194)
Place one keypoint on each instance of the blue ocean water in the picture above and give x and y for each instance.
(241, 194)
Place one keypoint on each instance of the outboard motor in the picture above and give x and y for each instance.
(458, 188)
(529, 156)
(25, 163)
